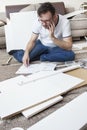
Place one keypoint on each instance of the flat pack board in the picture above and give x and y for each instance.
(43, 74)
(79, 45)
(18, 31)
(9, 85)
(71, 116)
(32, 93)
(8, 37)
(69, 68)
(80, 73)
(76, 12)
(32, 111)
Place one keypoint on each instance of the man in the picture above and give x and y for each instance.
(51, 38)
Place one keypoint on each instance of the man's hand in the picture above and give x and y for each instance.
(51, 29)
(26, 59)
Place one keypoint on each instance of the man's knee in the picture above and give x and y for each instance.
(38, 49)
(58, 57)
(18, 55)
(71, 55)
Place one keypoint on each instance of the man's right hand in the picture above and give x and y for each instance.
(29, 47)
(26, 59)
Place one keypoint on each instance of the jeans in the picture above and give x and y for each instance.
(45, 53)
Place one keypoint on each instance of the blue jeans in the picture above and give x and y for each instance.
(45, 53)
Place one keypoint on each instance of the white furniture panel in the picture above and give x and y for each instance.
(72, 116)
(28, 95)
(32, 111)
(18, 31)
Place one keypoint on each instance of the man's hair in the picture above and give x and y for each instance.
(45, 7)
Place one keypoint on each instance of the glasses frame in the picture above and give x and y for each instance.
(45, 21)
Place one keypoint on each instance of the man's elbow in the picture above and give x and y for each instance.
(69, 46)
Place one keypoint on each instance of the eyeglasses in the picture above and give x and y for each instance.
(44, 21)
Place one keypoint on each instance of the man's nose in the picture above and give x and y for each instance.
(44, 23)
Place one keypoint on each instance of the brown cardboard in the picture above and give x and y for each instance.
(80, 73)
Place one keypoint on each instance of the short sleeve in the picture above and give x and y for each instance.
(66, 29)
(36, 27)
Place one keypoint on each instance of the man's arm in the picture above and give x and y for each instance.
(66, 43)
(29, 47)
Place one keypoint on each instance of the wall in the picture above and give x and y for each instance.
(68, 3)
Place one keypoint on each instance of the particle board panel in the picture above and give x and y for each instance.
(11, 84)
(19, 29)
(71, 14)
(33, 93)
(32, 111)
(72, 116)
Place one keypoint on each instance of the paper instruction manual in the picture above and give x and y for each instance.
(32, 68)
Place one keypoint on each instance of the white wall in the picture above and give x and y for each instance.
(68, 3)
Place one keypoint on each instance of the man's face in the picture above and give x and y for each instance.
(46, 19)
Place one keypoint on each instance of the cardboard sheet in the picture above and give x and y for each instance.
(80, 73)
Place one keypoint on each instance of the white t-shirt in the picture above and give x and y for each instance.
(62, 30)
